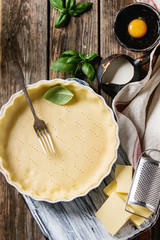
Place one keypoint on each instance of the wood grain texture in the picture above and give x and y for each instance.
(28, 34)
(81, 30)
(22, 25)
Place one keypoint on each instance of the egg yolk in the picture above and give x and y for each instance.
(137, 28)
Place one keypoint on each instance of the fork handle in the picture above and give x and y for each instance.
(17, 75)
(29, 102)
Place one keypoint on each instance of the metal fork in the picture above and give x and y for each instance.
(39, 125)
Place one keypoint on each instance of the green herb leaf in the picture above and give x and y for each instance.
(62, 65)
(57, 4)
(74, 59)
(59, 95)
(91, 56)
(64, 10)
(84, 46)
(70, 4)
(89, 71)
(69, 53)
(82, 56)
(76, 64)
(80, 8)
(61, 20)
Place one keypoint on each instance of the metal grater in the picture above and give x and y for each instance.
(145, 187)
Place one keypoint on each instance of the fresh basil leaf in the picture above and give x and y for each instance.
(82, 56)
(59, 95)
(62, 65)
(70, 4)
(89, 71)
(80, 8)
(64, 10)
(61, 20)
(57, 4)
(91, 56)
(75, 63)
(69, 53)
(73, 59)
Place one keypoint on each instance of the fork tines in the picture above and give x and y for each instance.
(45, 140)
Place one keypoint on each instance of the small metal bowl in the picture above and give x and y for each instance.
(133, 11)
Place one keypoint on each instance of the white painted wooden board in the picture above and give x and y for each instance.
(76, 220)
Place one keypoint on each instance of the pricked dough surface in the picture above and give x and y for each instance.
(84, 137)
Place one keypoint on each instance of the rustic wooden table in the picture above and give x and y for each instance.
(29, 30)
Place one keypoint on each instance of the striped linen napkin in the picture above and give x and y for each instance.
(154, 3)
(137, 109)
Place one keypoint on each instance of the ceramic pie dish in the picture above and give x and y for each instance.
(85, 137)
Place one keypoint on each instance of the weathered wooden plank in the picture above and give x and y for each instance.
(29, 42)
(24, 31)
(81, 30)
(0, 37)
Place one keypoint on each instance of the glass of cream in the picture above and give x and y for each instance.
(118, 70)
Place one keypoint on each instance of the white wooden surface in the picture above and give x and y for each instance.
(76, 220)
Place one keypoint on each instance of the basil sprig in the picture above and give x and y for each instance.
(66, 8)
(76, 64)
(59, 95)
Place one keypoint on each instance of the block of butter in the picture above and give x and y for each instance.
(112, 214)
(123, 176)
(136, 220)
(111, 188)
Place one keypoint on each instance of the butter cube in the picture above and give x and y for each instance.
(112, 214)
(110, 188)
(123, 176)
(136, 220)
(121, 187)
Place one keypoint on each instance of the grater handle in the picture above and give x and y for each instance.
(149, 149)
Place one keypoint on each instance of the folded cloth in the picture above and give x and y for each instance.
(137, 109)
(154, 3)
